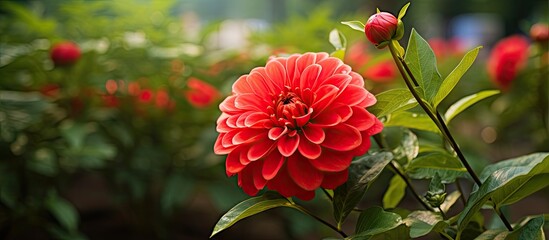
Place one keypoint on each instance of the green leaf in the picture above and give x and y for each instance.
(362, 173)
(337, 39)
(422, 223)
(250, 207)
(338, 54)
(513, 180)
(375, 220)
(453, 78)
(423, 65)
(450, 200)
(530, 227)
(400, 232)
(392, 101)
(408, 146)
(493, 234)
(402, 11)
(63, 211)
(532, 230)
(466, 102)
(445, 165)
(356, 25)
(419, 121)
(395, 192)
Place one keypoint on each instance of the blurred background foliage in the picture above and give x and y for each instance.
(119, 144)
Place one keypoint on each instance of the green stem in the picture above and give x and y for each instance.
(395, 167)
(442, 212)
(462, 195)
(327, 194)
(304, 210)
(438, 120)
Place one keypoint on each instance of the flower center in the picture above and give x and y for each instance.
(290, 111)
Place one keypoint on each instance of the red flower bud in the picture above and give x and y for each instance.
(65, 53)
(383, 27)
(539, 32)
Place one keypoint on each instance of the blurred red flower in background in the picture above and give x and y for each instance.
(539, 32)
(446, 48)
(201, 94)
(295, 125)
(360, 60)
(65, 53)
(507, 58)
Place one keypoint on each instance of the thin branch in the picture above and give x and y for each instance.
(328, 194)
(304, 210)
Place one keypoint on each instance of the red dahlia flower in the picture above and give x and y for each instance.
(201, 94)
(507, 57)
(295, 125)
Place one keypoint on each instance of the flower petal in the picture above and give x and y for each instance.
(241, 86)
(246, 181)
(332, 161)
(259, 181)
(288, 145)
(232, 163)
(326, 94)
(351, 96)
(303, 173)
(276, 132)
(260, 149)
(309, 149)
(218, 146)
(256, 119)
(342, 138)
(314, 133)
(329, 65)
(272, 164)
(334, 180)
(276, 72)
(246, 135)
(309, 76)
(361, 119)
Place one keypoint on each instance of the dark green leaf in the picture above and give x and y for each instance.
(392, 101)
(362, 173)
(356, 25)
(400, 232)
(453, 78)
(532, 230)
(407, 119)
(375, 220)
(516, 179)
(250, 207)
(423, 65)
(444, 164)
(63, 211)
(466, 102)
(408, 147)
(395, 192)
(422, 223)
